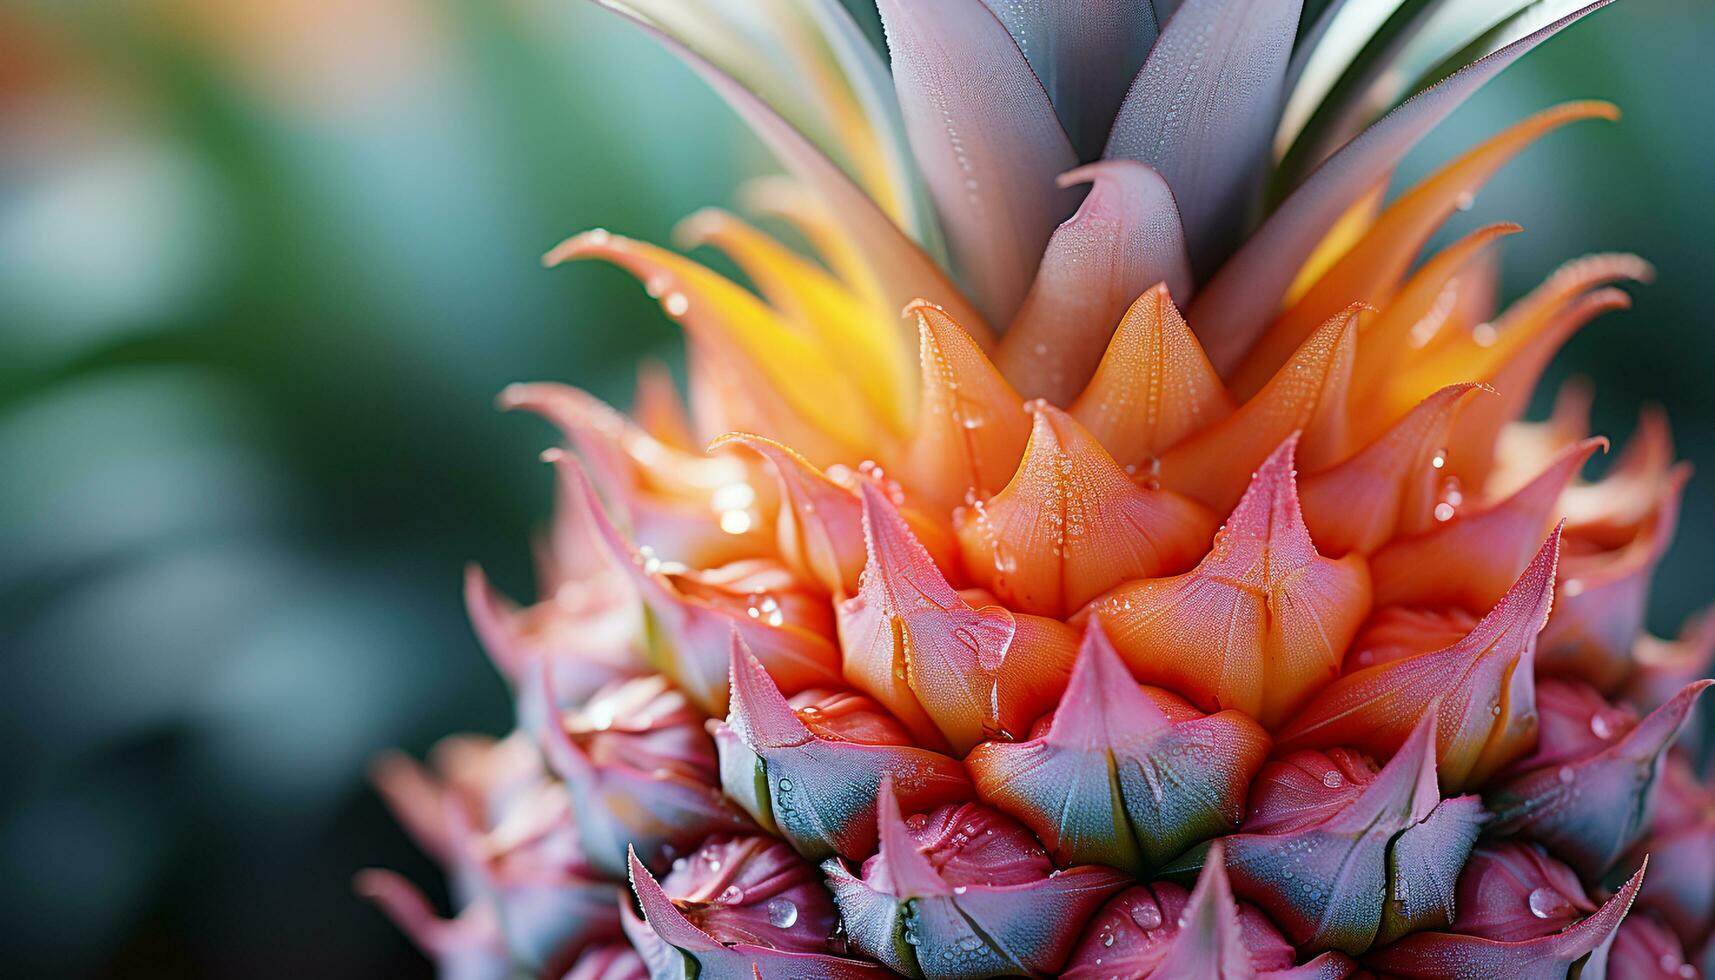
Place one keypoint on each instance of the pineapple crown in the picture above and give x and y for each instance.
(1173, 590)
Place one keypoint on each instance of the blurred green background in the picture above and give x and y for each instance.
(263, 265)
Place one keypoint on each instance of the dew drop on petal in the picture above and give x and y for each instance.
(1601, 727)
(1567, 775)
(733, 895)
(1546, 903)
(1146, 916)
(1332, 779)
(782, 912)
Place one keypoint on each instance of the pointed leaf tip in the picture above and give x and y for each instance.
(1656, 733)
(1590, 811)
(1211, 936)
(759, 712)
(1101, 695)
(1390, 487)
(1308, 394)
(1072, 524)
(1153, 387)
(1430, 955)
(971, 426)
(662, 915)
(949, 671)
(908, 872)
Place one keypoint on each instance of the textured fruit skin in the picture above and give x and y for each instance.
(979, 613)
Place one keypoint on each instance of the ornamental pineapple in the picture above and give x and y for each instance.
(1171, 590)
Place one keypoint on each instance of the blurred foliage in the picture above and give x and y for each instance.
(263, 264)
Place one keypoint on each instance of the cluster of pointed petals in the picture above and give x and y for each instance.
(1260, 640)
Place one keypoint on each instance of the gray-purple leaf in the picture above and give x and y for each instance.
(1085, 52)
(1202, 111)
(986, 139)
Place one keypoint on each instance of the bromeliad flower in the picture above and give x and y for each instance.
(1114, 430)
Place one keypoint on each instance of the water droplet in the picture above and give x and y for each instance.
(1107, 939)
(1146, 916)
(785, 785)
(731, 896)
(1332, 779)
(676, 304)
(1567, 775)
(1465, 201)
(782, 912)
(1546, 903)
(1601, 727)
(970, 944)
(960, 889)
(916, 821)
(1444, 511)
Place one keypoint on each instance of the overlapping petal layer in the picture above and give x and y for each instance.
(858, 614)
